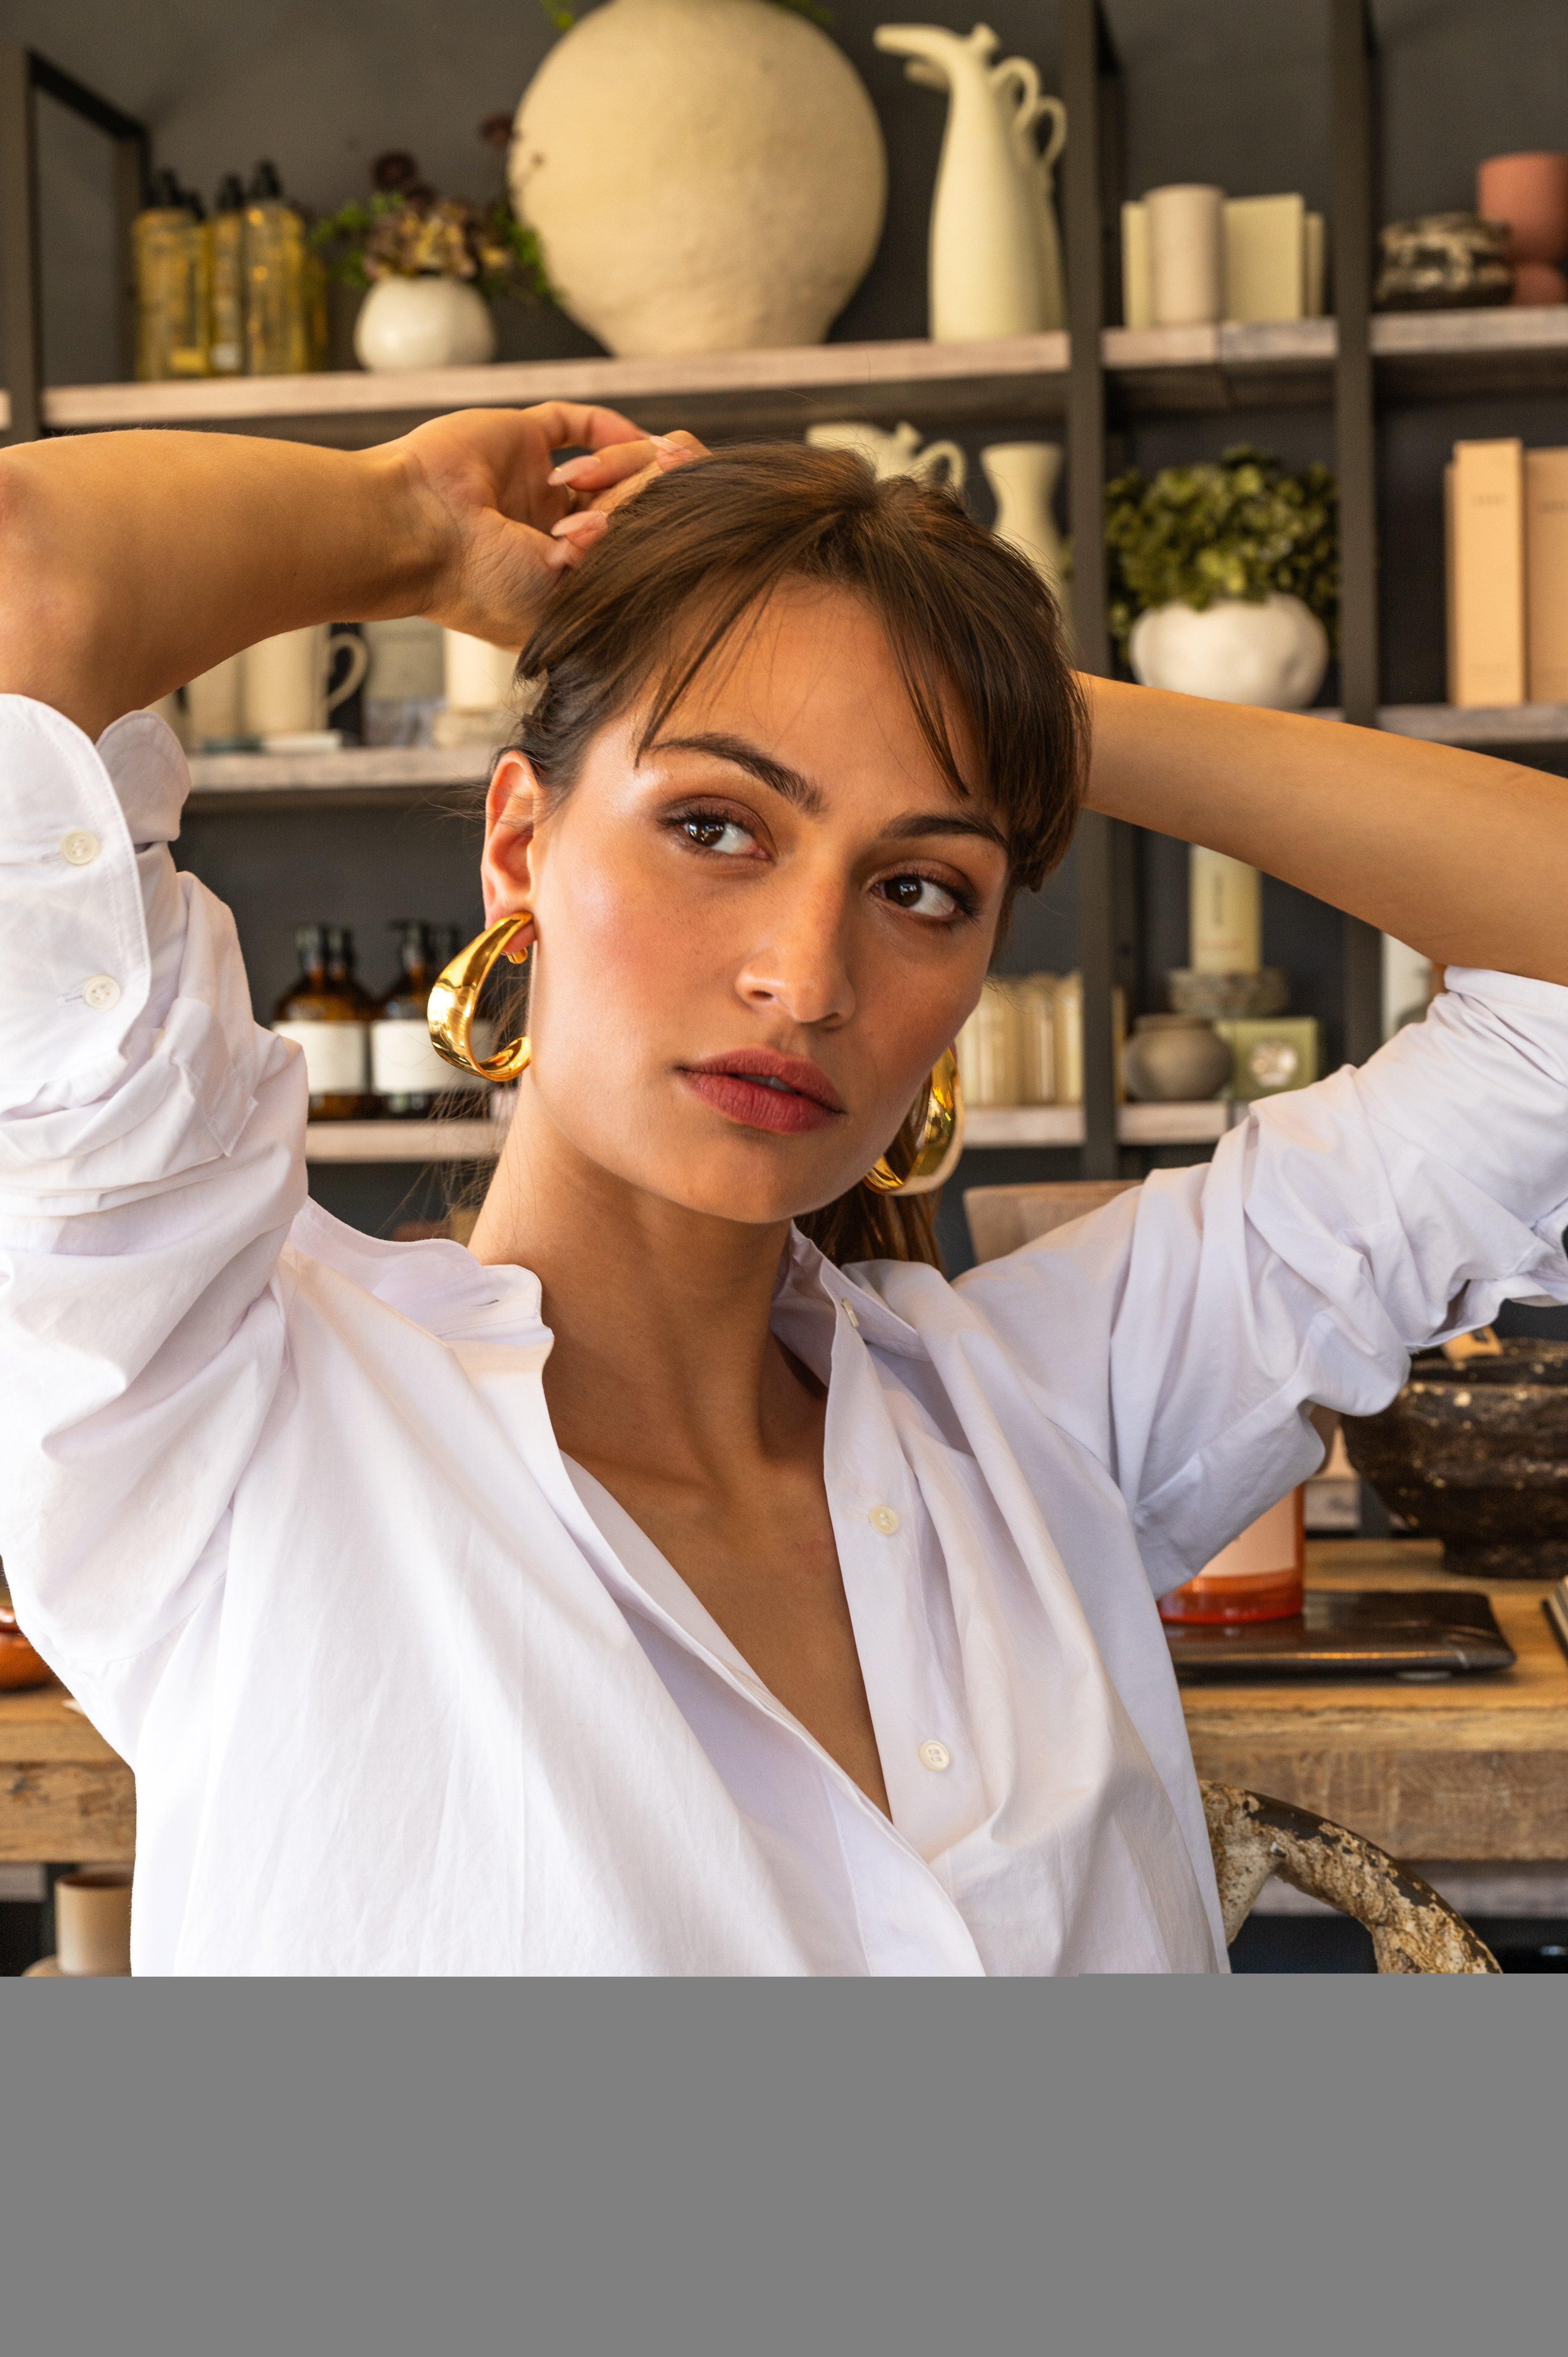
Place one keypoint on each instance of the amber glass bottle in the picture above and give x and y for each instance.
(327, 1020)
(410, 1081)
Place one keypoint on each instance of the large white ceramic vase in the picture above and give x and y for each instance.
(703, 175)
(421, 323)
(1274, 653)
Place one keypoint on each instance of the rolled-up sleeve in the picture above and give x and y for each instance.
(1185, 1330)
(151, 1161)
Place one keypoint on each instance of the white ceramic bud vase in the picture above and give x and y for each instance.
(1023, 479)
(422, 323)
(705, 176)
(1274, 653)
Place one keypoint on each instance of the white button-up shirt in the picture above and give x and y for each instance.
(406, 1691)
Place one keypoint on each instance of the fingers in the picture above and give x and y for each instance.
(642, 457)
(581, 425)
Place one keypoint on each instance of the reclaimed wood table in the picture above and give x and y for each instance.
(1473, 1769)
(1476, 1770)
(65, 1797)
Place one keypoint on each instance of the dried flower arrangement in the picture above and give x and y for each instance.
(1239, 529)
(407, 231)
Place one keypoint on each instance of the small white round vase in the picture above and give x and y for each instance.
(1273, 653)
(705, 176)
(422, 323)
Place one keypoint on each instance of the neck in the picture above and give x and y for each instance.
(662, 1361)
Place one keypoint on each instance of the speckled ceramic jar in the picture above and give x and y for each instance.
(1478, 1455)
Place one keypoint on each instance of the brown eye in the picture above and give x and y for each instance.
(922, 895)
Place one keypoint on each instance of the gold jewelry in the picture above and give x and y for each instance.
(941, 1144)
(455, 1000)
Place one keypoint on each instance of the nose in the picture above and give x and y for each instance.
(799, 965)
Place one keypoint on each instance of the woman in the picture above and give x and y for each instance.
(649, 1591)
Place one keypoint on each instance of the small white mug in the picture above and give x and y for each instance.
(289, 687)
(480, 677)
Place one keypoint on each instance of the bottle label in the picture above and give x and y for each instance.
(335, 1057)
(404, 1063)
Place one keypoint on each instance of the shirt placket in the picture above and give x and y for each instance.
(884, 1545)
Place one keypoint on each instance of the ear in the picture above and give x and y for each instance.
(509, 868)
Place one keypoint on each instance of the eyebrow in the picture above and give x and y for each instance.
(803, 795)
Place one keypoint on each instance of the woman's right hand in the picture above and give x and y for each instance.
(509, 522)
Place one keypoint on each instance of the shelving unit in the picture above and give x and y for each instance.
(1434, 356)
(1090, 378)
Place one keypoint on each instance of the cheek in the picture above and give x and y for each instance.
(620, 959)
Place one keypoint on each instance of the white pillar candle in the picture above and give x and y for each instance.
(1225, 914)
(1186, 254)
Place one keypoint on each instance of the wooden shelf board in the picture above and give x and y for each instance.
(760, 392)
(1423, 355)
(359, 773)
(403, 1141)
(988, 1125)
(1491, 724)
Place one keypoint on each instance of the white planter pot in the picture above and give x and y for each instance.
(422, 323)
(703, 175)
(1273, 653)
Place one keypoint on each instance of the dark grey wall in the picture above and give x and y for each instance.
(1234, 91)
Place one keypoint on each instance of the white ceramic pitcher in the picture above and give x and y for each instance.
(898, 452)
(995, 259)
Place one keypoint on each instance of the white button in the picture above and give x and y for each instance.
(79, 848)
(935, 1756)
(101, 990)
(884, 1519)
(849, 1313)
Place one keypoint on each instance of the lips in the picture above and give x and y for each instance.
(763, 1090)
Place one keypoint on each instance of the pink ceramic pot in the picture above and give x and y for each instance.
(1530, 193)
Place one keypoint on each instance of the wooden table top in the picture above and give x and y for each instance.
(65, 1797)
(1475, 1768)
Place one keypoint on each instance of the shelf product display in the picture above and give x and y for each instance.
(243, 294)
(1191, 256)
(410, 1081)
(1506, 528)
(1271, 1054)
(327, 1014)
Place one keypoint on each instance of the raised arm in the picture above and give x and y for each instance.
(1463, 857)
(132, 562)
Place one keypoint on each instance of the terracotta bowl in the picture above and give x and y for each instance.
(1478, 1455)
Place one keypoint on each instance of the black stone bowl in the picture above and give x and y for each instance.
(1478, 1455)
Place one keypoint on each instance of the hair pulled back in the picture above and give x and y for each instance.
(975, 635)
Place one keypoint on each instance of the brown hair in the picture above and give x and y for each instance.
(972, 629)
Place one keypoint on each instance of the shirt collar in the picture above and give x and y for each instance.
(811, 1297)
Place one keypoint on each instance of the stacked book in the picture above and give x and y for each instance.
(1506, 519)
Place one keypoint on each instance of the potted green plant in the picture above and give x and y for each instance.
(432, 263)
(1224, 579)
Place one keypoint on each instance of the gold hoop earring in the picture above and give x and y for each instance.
(454, 1001)
(937, 1156)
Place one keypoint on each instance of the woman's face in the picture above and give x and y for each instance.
(753, 942)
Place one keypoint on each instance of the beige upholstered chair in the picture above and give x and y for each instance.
(1251, 1836)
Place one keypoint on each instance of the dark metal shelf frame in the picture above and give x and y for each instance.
(25, 77)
